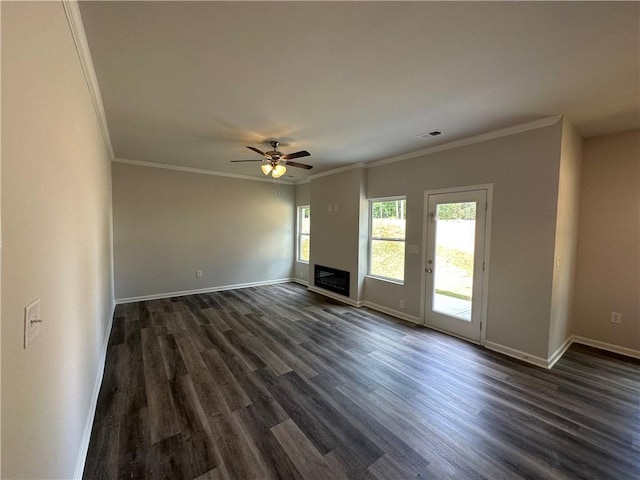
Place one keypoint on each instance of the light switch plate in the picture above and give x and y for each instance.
(32, 322)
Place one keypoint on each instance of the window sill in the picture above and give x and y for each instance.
(385, 279)
(306, 262)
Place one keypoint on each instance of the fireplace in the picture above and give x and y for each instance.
(332, 279)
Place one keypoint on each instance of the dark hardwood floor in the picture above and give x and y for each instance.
(278, 382)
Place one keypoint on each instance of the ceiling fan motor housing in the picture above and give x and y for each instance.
(274, 154)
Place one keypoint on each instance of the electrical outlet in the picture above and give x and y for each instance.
(616, 317)
(198, 273)
(401, 303)
(32, 322)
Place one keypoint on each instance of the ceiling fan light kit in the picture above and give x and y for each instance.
(275, 169)
(277, 161)
(278, 171)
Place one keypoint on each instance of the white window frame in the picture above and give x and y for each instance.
(299, 233)
(371, 238)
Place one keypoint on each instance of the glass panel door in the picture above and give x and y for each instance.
(455, 261)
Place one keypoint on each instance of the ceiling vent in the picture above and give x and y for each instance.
(428, 135)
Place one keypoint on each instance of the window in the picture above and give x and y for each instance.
(387, 224)
(304, 223)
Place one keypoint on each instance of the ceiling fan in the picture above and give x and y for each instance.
(275, 162)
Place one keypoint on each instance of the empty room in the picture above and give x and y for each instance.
(320, 240)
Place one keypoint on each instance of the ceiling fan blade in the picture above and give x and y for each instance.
(299, 165)
(301, 153)
(238, 161)
(257, 151)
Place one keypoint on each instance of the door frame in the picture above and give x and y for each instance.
(488, 187)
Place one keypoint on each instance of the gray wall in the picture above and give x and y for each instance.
(335, 224)
(560, 327)
(56, 226)
(303, 197)
(608, 274)
(168, 224)
(524, 170)
(565, 237)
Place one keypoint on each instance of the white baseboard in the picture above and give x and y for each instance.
(301, 282)
(363, 303)
(557, 355)
(520, 355)
(609, 347)
(390, 311)
(86, 436)
(335, 296)
(182, 293)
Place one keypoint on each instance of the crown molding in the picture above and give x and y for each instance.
(200, 171)
(483, 137)
(74, 19)
(504, 132)
(339, 170)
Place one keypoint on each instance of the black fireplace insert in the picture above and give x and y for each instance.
(332, 279)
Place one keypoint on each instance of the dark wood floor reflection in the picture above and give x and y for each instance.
(278, 382)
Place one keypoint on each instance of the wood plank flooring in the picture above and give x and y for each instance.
(278, 382)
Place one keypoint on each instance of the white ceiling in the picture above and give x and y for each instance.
(191, 83)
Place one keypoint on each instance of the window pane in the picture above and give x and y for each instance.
(388, 219)
(455, 243)
(304, 247)
(387, 259)
(304, 228)
(305, 220)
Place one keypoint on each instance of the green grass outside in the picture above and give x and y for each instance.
(447, 293)
(455, 268)
(458, 258)
(387, 259)
(304, 248)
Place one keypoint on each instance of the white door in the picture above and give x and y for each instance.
(454, 267)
